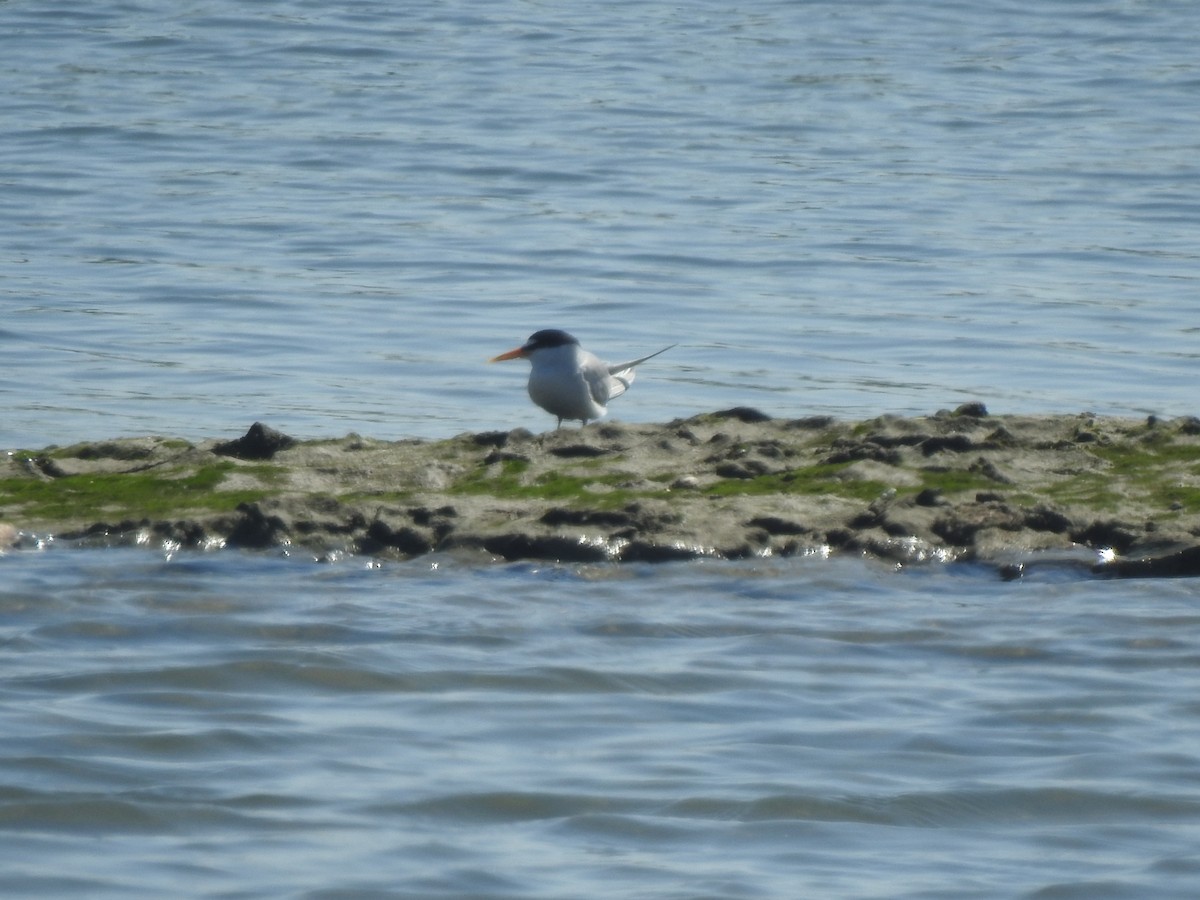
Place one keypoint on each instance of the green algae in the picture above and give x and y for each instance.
(954, 481)
(114, 449)
(1095, 492)
(500, 479)
(265, 473)
(509, 480)
(703, 483)
(128, 494)
(824, 478)
(1143, 460)
(1159, 473)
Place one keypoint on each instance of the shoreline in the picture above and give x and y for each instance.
(955, 486)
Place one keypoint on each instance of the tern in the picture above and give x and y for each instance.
(568, 381)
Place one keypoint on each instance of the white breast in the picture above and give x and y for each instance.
(568, 382)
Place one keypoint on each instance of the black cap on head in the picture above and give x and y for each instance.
(549, 337)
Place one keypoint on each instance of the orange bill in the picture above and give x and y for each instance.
(515, 353)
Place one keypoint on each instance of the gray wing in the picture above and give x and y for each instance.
(600, 384)
(622, 374)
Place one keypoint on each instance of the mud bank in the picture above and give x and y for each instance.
(960, 485)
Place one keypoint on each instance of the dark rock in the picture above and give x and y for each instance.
(424, 516)
(864, 520)
(650, 552)
(812, 423)
(579, 451)
(104, 534)
(956, 531)
(1012, 571)
(776, 525)
(1120, 536)
(974, 410)
(490, 438)
(1183, 564)
(959, 527)
(380, 535)
(323, 527)
(256, 529)
(879, 544)
(1043, 518)
(930, 497)
(853, 451)
(99, 529)
(839, 538)
(988, 469)
(750, 468)
(1001, 437)
(952, 443)
(736, 450)
(595, 517)
(497, 456)
(442, 521)
(562, 549)
(260, 442)
(1189, 425)
(745, 414)
(875, 512)
(187, 532)
(49, 467)
(772, 449)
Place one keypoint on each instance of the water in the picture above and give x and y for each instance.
(326, 217)
(800, 728)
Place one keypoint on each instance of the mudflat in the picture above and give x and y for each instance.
(953, 486)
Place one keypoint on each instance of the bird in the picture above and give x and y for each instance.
(568, 381)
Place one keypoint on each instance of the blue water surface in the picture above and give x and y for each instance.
(328, 216)
(192, 725)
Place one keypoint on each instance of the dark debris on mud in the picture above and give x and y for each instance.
(959, 485)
